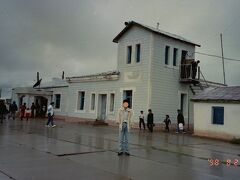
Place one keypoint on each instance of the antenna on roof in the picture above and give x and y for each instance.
(63, 75)
(157, 25)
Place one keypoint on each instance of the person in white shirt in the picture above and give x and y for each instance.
(50, 114)
(141, 120)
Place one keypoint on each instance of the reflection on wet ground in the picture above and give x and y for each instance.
(29, 150)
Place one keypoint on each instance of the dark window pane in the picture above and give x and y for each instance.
(175, 51)
(129, 54)
(138, 51)
(166, 54)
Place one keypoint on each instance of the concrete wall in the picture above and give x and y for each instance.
(203, 121)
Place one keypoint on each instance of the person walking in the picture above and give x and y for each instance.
(124, 119)
(22, 111)
(141, 120)
(180, 121)
(13, 109)
(167, 121)
(150, 120)
(33, 107)
(3, 110)
(50, 114)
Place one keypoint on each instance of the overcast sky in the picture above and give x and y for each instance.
(50, 36)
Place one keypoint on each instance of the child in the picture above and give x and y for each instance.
(141, 120)
(167, 121)
(28, 113)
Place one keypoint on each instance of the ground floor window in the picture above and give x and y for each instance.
(81, 100)
(93, 102)
(112, 96)
(57, 101)
(218, 115)
(127, 94)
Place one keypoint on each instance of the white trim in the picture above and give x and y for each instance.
(90, 103)
(77, 99)
(54, 100)
(114, 102)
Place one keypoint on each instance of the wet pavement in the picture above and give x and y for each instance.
(30, 151)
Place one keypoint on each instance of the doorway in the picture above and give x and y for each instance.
(102, 106)
(184, 104)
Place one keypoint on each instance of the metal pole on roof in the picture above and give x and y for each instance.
(224, 79)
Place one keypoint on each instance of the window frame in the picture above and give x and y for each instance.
(175, 56)
(167, 55)
(129, 54)
(55, 101)
(79, 100)
(138, 53)
(221, 121)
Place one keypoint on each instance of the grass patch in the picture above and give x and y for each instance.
(235, 141)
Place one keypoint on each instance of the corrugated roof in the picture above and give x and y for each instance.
(221, 94)
(55, 83)
(152, 29)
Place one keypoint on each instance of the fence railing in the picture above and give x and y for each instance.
(187, 72)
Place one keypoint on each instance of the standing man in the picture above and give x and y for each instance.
(3, 110)
(33, 107)
(124, 119)
(150, 120)
(50, 115)
(194, 68)
(13, 109)
(180, 120)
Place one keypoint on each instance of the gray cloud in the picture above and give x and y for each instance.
(50, 36)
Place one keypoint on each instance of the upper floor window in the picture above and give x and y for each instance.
(175, 53)
(167, 55)
(81, 100)
(184, 55)
(218, 115)
(129, 54)
(138, 52)
(57, 98)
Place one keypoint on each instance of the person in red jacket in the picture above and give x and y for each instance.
(22, 111)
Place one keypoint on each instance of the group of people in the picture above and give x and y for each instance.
(189, 69)
(124, 120)
(7, 111)
(167, 121)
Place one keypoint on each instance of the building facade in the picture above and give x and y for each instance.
(216, 113)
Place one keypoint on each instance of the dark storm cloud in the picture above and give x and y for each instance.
(54, 35)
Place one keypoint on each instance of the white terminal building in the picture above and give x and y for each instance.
(153, 72)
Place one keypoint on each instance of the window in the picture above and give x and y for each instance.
(93, 102)
(129, 54)
(175, 53)
(112, 102)
(218, 115)
(184, 55)
(81, 99)
(57, 98)
(167, 54)
(138, 52)
(128, 95)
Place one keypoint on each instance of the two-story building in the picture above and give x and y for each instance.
(154, 71)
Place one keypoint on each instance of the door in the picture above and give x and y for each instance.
(183, 104)
(102, 106)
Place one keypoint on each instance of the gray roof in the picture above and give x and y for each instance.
(95, 75)
(219, 94)
(155, 30)
(55, 83)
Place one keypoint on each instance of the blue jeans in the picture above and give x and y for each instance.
(123, 139)
(50, 120)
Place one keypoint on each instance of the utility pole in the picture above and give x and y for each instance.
(224, 79)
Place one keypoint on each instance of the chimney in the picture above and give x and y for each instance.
(157, 25)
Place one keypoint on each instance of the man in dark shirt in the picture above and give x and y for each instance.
(150, 120)
(13, 109)
(180, 120)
